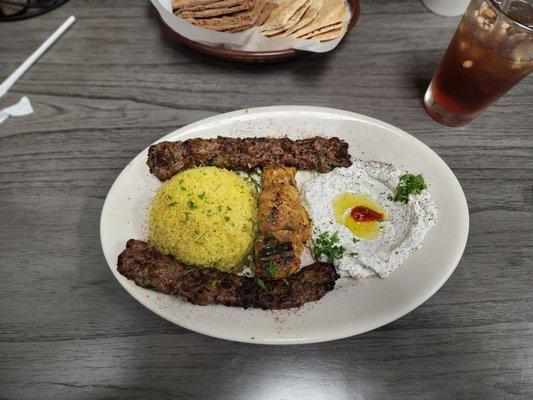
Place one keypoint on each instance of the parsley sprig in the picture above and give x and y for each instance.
(272, 268)
(327, 245)
(409, 185)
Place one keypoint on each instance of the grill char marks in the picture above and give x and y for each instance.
(149, 268)
(166, 159)
(283, 225)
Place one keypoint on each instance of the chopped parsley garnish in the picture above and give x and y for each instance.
(256, 172)
(248, 259)
(272, 268)
(176, 158)
(285, 281)
(215, 284)
(286, 257)
(226, 218)
(355, 240)
(199, 240)
(192, 205)
(260, 283)
(353, 254)
(253, 179)
(201, 196)
(409, 185)
(327, 245)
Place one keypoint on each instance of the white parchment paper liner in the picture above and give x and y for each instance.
(250, 40)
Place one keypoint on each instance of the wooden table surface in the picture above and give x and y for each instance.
(114, 84)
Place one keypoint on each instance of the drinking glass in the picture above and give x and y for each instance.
(491, 51)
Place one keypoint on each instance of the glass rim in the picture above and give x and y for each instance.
(508, 19)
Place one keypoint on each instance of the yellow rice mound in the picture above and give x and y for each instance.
(205, 217)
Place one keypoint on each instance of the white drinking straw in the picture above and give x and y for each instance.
(10, 81)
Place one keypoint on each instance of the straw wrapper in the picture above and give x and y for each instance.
(250, 40)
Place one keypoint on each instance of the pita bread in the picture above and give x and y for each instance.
(293, 20)
(332, 12)
(225, 22)
(259, 6)
(309, 15)
(239, 29)
(322, 30)
(307, 19)
(180, 4)
(215, 12)
(280, 16)
(263, 12)
(215, 4)
(330, 35)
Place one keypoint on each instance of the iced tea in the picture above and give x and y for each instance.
(489, 54)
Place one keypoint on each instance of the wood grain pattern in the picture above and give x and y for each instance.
(112, 85)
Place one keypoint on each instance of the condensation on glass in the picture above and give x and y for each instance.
(491, 51)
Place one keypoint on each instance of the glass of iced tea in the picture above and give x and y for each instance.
(491, 51)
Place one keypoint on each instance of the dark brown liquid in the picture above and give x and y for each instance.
(472, 76)
(520, 11)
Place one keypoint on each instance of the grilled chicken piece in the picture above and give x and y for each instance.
(283, 225)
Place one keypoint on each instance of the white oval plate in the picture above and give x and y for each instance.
(353, 306)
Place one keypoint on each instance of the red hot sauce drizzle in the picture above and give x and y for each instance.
(365, 214)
